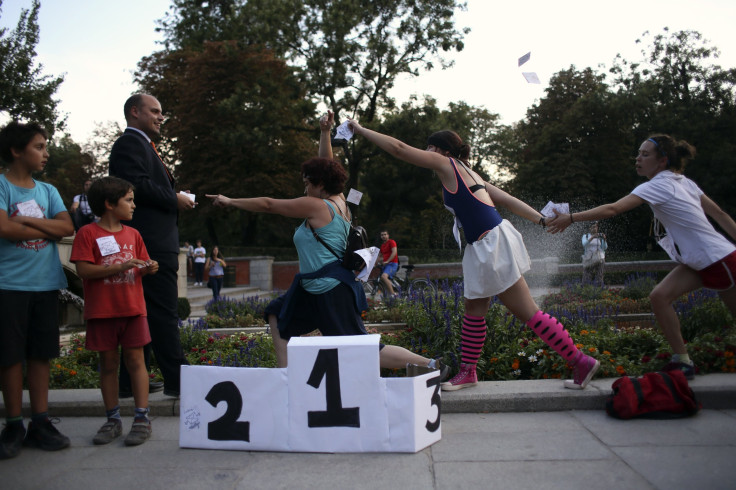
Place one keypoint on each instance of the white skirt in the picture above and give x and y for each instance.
(494, 263)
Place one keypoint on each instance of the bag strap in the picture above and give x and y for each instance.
(671, 386)
(319, 239)
(637, 389)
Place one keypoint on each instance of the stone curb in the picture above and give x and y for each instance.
(714, 391)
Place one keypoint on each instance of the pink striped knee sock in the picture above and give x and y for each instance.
(554, 335)
(473, 338)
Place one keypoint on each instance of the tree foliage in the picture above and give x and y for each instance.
(407, 200)
(25, 92)
(349, 54)
(68, 167)
(578, 143)
(237, 124)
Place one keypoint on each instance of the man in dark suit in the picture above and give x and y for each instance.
(134, 158)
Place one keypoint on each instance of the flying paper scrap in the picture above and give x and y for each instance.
(531, 77)
(550, 208)
(525, 58)
(354, 196)
(343, 132)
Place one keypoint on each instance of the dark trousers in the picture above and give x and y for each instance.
(217, 285)
(161, 293)
(198, 271)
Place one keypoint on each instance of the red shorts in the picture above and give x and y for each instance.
(720, 275)
(105, 334)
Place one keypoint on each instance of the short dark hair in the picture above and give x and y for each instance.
(16, 136)
(107, 189)
(134, 100)
(325, 172)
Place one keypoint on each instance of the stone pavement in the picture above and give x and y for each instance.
(527, 450)
(538, 435)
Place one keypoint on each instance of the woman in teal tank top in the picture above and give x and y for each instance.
(332, 302)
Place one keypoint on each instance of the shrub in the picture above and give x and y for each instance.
(183, 308)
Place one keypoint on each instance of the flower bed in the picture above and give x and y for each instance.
(433, 322)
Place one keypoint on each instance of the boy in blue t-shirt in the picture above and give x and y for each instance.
(32, 219)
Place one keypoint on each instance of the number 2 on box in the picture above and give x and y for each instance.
(227, 428)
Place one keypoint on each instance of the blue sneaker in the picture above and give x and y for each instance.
(687, 369)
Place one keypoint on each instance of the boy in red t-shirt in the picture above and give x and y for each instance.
(111, 259)
(390, 256)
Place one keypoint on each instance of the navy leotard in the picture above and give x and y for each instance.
(473, 215)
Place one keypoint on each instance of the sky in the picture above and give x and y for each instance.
(98, 43)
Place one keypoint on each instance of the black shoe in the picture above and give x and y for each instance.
(11, 440)
(46, 436)
(169, 392)
(155, 386)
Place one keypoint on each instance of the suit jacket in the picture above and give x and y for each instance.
(156, 214)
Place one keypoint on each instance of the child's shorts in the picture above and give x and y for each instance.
(720, 275)
(129, 332)
(29, 326)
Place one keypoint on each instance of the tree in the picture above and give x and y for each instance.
(407, 199)
(68, 167)
(574, 143)
(99, 145)
(679, 88)
(349, 53)
(236, 125)
(25, 93)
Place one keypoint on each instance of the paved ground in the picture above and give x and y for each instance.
(511, 434)
(569, 449)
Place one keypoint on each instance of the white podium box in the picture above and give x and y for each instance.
(414, 411)
(331, 398)
(234, 408)
(337, 401)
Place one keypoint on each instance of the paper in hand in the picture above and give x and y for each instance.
(190, 196)
(343, 132)
(561, 208)
(354, 196)
(369, 256)
(525, 58)
(531, 77)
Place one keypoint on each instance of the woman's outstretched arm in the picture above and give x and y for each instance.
(561, 221)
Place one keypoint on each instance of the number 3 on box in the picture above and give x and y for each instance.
(327, 366)
(436, 400)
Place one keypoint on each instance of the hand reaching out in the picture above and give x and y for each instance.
(219, 200)
(326, 121)
(558, 223)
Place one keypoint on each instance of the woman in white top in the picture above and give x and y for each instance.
(707, 258)
(594, 255)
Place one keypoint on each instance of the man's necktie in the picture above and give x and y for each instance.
(171, 178)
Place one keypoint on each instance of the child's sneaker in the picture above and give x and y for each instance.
(46, 436)
(582, 373)
(11, 440)
(465, 378)
(687, 369)
(138, 434)
(110, 430)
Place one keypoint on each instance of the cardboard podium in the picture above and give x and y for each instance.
(331, 398)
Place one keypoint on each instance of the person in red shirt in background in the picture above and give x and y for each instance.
(390, 257)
